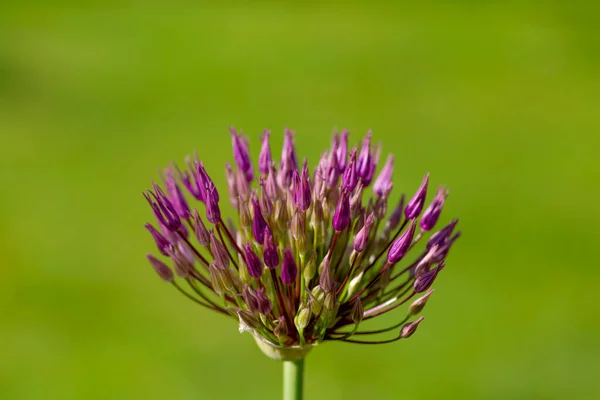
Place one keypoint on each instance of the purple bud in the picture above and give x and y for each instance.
(288, 160)
(249, 299)
(258, 223)
(415, 205)
(164, 246)
(231, 185)
(264, 304)
(204, 181)
(176, 197)
(442, 250)
(252, 262)
(425, 280)
(219, 252)
(200, 230)
(192, 185)
(289, 270)
(271, 185)
(432, 213)
(401, 245)
(270, 253)
(394, 219)
(385, 177)
(410, 328)
(305, 189)
(440, 237)
(326, 281)
(265, 201)
(213, 212)
(350, 178)
(332, 170)
(341, 218)
(183, 266)
(342, 151)
(163, 209)
(362, 237)
(161, 268)
(241, 154)
(264, 160)
(363, 163)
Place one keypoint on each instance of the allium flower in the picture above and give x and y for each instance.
(311, 260)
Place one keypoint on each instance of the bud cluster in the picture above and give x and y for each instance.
(310, 260)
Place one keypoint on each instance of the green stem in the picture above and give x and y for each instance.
(293, 378)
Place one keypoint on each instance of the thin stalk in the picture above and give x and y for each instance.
(293, 379)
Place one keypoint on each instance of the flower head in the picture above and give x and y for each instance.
(310, 260)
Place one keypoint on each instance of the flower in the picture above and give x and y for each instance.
(310, 261)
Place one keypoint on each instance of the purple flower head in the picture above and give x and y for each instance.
(350, 178)
(362, 237)
(264, 160)
(258, 223)
(241, 154)
(327, 231)
(432, 213)
(341, 218)
(385, 177)
(401, 245)
(164, 246)
(270, 253)
(289, 270)
(253, 263)
(161, 268)
(415, 205)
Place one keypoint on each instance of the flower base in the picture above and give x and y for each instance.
(291, 353)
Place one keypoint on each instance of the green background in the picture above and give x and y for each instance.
(498, 101)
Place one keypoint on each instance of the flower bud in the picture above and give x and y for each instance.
(417, 306)
(310, 269)
(252, 262)
(330, 302)
(303, 318)
(415, 205)
(361, 239)
(176, 196)
(161, 268)
(326, 281)
(258, 223)
(264, 303)
(231, 185)
(357, 311)
(264, 160)
(218, 251)
(384, 179)
(164, 246)
(270, 253)
(289, 270)
(281, 330)
(200, 230)
(432, 213)
(249, 299)
(213, 213)
(401, 245)
(410, 328)
(341, 218)
(424, 281)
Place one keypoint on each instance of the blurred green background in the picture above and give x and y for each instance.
(498, 101)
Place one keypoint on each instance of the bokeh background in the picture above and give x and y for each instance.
(499, 101)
